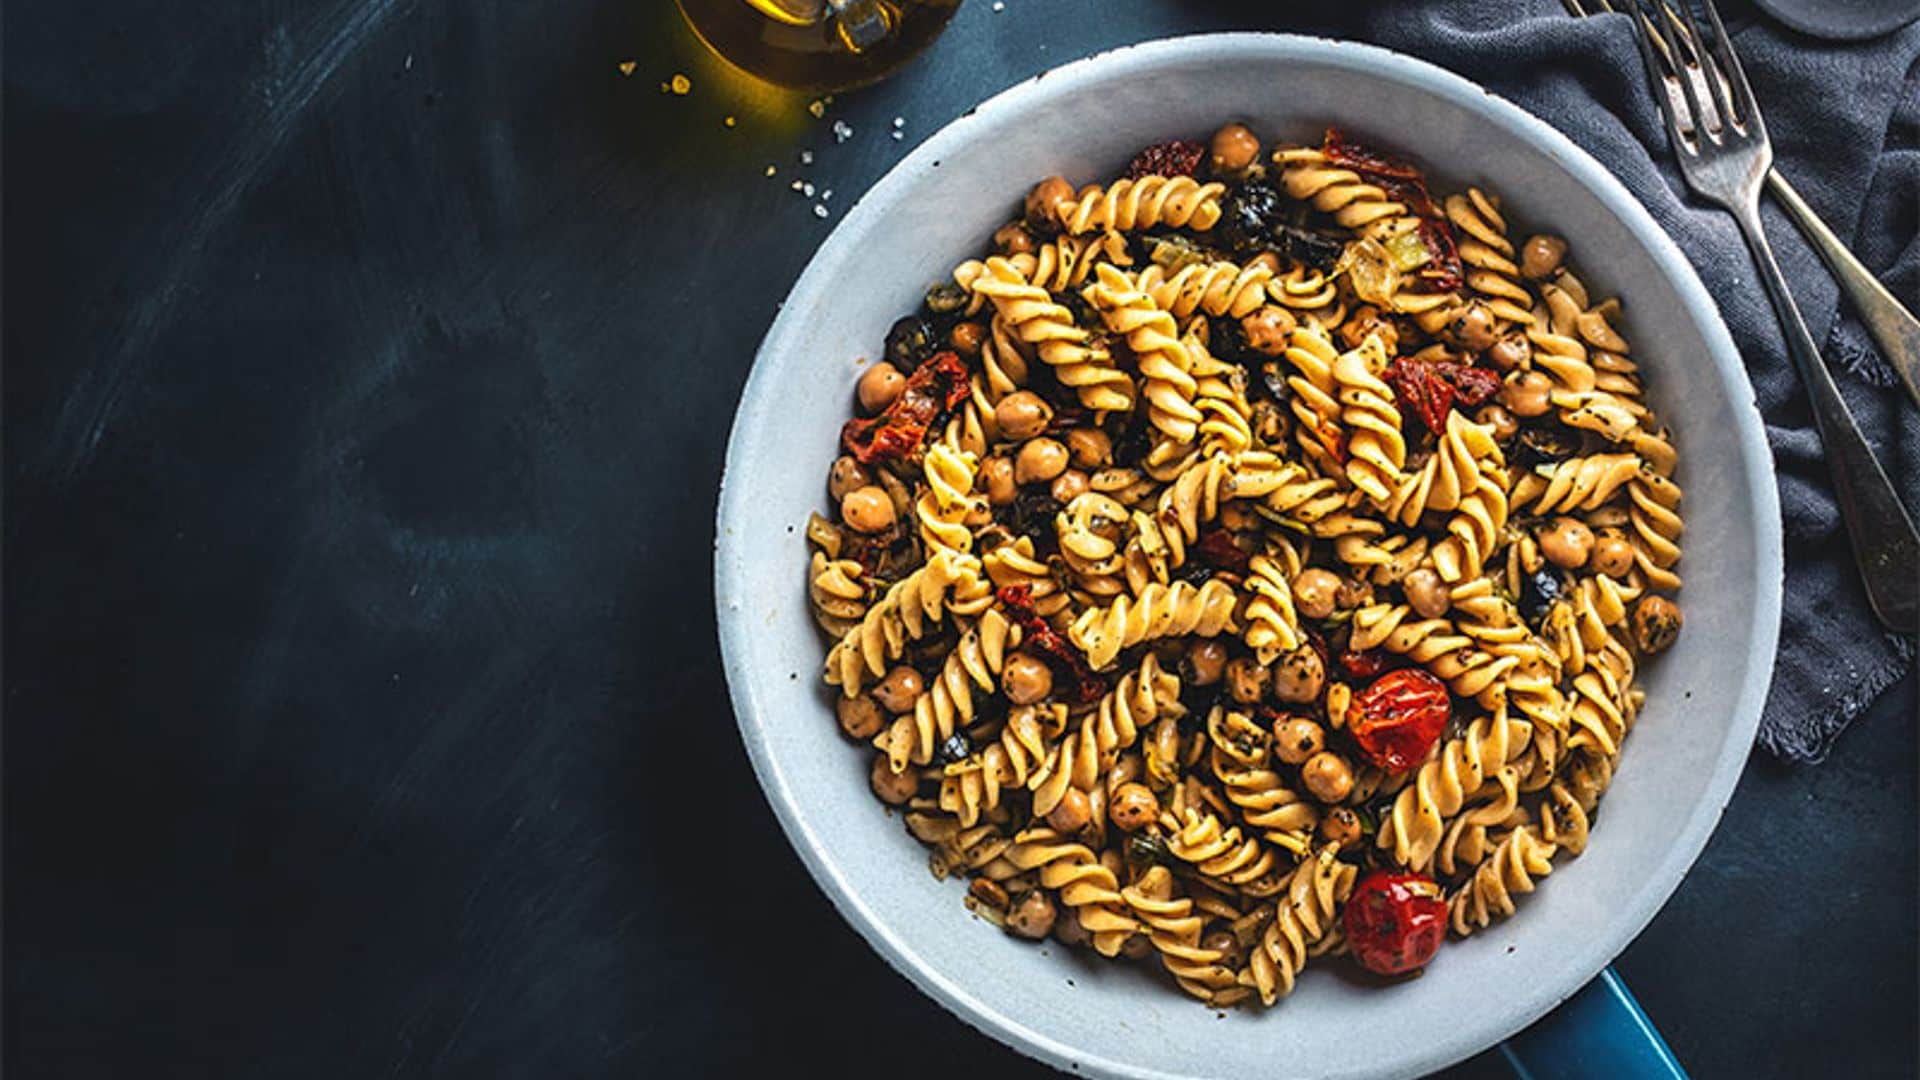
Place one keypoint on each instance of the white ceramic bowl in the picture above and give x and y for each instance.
(1084, 121)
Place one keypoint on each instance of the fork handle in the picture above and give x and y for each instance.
(1884, 544)
(1893, 327)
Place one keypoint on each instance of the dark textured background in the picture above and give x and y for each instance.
(368, 366)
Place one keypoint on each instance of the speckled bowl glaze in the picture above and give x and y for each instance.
(1084, 121)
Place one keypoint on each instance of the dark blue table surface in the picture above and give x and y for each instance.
(367, 370)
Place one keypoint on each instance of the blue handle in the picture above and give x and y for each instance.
(1599, 1032)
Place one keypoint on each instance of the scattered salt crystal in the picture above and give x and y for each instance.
(807, 191)
(899, 121)
(817, 107)
(819, 211)
(796, 185)
(728, 121)
(998, 6)
(771, 170)
(806, 157)
(896, 135)
(626, 66)
(827, 194)
(842, 131)
(681, 84)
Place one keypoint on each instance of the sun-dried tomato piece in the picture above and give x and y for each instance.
(935, 387)
(1444, 272)
(1175, 157)
(1471, 385)
(1365, 159)
(1364, 665)
(1216, 548)
(1429, 389)
(1084, 685)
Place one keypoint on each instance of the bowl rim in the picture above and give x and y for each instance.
(1627, 921)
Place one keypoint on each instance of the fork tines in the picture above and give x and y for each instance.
(1712, 87)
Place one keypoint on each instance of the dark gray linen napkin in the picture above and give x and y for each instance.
(1845, 121)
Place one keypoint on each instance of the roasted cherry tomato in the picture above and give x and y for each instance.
(1395, 921)
(1398, 718)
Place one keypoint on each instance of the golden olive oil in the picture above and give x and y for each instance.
(818, 45)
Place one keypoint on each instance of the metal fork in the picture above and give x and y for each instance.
(1893, 328)
(1723, 151)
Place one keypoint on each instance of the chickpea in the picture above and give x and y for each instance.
(1500, 420)
(1223, 942)
(1046, 202)
(1510, 352)
(1268, 330)
(893, 788)
(896, 692)
(1090, 448)
(1247, 679)
(988, 892)
(1526, 394)
(1069, 484)
(878, 386)
(1068, 931)
(997, 477)
(1169, 651)
(1234, 148)
(1340, 826)
(1366, 320)
(846, 475)
(1541, 255)
(867, 509)
(1353, 593)
(1299, 675)
(1205, 662)
(1022, 414)
(965, 337)
(1032, 916)
(860, 717)
(1567, 543)
(1473, 327)
(1072, 813)
(1013, 239)
(1039, 461)
(1613, 554)
(1328, 776)
(1137, 947)
(1133, 806)
(1297, 738)
(1656, 622)
(1314, 590)
(1426, 593)
(1026, 678)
